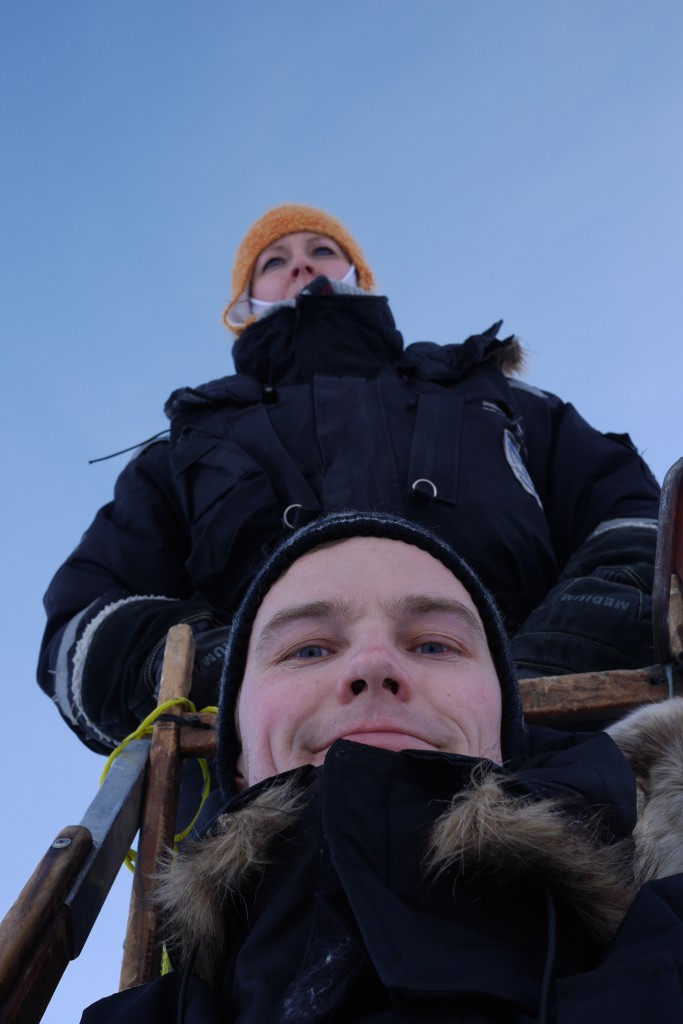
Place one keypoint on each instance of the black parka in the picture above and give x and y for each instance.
(328, 412)
(348, 922)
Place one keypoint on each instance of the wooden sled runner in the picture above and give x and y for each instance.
(52, 918)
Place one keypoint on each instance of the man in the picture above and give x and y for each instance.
(328, 410)
(396, 846)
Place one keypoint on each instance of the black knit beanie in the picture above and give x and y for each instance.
(341, 526)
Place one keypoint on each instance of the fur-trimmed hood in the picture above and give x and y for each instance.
(213, 874)
(511, 358)
(651, 738)
(313, 945)
(515, 837)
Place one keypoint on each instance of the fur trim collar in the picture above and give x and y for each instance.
(485, 826)
(651, 738)
(520, 838)
(510, 358)
(218, 870)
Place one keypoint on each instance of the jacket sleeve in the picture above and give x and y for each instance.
(111, 603)
(641, 975)
(601, 502)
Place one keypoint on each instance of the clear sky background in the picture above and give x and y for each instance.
(516, 159)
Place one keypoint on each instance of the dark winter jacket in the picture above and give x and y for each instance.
(419, 886)
(329, 412)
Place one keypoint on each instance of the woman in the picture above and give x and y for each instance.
(329, 411)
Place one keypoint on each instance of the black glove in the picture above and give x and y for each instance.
(120, 654)
(587, 625)
(210, 645)
(210, 649)
(600, 617)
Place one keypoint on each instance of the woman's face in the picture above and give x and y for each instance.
(284, 268)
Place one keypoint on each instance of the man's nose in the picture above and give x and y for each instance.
(374, 670)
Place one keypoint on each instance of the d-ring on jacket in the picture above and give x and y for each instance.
(328, 411)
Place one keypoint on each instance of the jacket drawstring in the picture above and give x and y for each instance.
(549, 966)
(184, 985)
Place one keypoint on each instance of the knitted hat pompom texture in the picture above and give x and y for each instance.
(340, 526)
(275, 224)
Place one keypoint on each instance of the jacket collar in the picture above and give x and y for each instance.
(490, 826)
(338, 334)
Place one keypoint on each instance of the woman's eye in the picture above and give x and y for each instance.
(311, 651)
(324, 250)
(274, 261)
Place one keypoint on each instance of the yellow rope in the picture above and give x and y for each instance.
(144, 729)
(166, 966)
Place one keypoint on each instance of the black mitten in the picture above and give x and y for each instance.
(599, 617)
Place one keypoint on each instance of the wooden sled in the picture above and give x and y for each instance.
(52, 918)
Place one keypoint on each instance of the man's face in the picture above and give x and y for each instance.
(371, 640)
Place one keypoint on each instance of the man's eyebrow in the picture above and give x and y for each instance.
(298, 613)
(424, 604)
(407, 604)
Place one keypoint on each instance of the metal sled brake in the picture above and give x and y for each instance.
(52, 918)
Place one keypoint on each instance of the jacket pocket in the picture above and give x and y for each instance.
(231, 510)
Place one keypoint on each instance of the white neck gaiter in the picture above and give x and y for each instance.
(258, 306)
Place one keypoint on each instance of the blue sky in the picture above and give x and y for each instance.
(497, 159)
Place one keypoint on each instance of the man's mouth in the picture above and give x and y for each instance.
(387, 737)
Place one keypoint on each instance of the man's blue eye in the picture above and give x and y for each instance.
(311, 651)
(432, 647)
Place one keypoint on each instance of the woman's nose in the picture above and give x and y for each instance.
(301, 265)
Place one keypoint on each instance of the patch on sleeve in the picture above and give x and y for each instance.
(516, 464)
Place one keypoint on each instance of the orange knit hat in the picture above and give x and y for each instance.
(276, 223)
